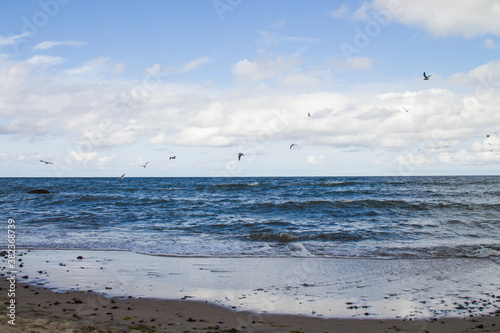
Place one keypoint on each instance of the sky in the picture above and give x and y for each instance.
(99, 88)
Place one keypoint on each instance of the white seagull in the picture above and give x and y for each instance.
(122, 176)
(46, 162)
(293, 144)
(144, 166)
(426, 77)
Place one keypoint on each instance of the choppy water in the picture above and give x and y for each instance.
(368, 217)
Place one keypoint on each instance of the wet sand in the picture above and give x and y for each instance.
(41, 310)
(109, 291)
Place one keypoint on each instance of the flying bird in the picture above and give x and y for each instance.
(293, 144)
(405, 109)
(172, 157)
(308, 114)
(442, 147)
(239, 156)
(144, 166)
(122, 176)
(426, 77)
(46, 162)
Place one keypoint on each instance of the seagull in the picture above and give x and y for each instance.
(405, 109)
(441, 147)
(172, 157)
(46, 162)
(426, 77)
(308, 114)
(122, 176)
(239, 156)
(144, 166)
(293, 144)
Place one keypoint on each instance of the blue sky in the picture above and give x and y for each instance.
(100, 87)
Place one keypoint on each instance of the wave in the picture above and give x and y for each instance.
(336, 183)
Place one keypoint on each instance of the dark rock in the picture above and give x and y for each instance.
(79, 257)
(39, 191)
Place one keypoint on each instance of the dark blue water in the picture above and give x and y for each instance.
(381, 217)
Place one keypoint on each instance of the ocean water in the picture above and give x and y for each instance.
(347, 217)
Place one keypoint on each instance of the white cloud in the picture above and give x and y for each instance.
(12, 39)
(490, 44)
(482, 78)
(315, 160)
(194, 64)
(343, 11)
(442, 18)
(49, 44)
(260, 70)
(273, 38)
(98, 66)
(45, 60)
(82, 157)
(358, 63)
(102, 113)
(106, 159)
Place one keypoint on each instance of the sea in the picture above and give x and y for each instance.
(339, 217)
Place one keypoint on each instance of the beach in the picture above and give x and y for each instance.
(121, 291)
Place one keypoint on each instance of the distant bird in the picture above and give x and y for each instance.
(308, 114)
(405, 109)
(293, 144)
(442, 147)
(239, 156)
(46, 162)
(426, 77)
(122, 176)
(172, 157)
(144, 164)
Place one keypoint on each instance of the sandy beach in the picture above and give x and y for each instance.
(110, 291)
(40, 310)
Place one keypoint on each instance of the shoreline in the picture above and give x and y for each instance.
(253, 294)
(42, 310)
